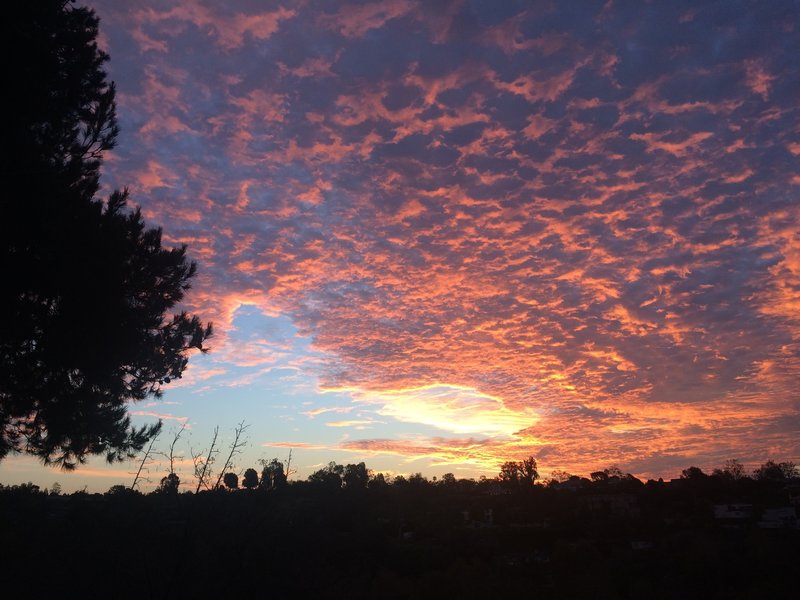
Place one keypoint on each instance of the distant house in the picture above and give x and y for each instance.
(784, 517)
(573, 484)
(406, 532)
(618, 505)
(544, 523)
(733, 512)
(484, 518)
(495, 489)
(794, 494)
(640, 545)
(521, 559)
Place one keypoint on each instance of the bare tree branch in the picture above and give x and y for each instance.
(289, 471)
(145, 458)
(171, 456)
(202, 465)
(237, 447)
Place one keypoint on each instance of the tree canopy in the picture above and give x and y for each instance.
(231, 480)
(88, 290)
(250, 480)
(523, 472)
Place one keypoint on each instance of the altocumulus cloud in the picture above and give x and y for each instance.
(548, 225)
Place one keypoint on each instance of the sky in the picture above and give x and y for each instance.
(437, 236)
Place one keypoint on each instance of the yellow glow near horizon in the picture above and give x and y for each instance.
(454, 408)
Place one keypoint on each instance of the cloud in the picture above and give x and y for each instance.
(572, 232)
(355, 20)
(230, 31)
(157, 415)
(303, 445)
(478, 453)
(357, 423)
(335, 409)
(454, 409)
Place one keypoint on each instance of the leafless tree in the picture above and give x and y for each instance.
(145, 459)
(289, 470)
(237, 447)
(203, 465)
(170, 456)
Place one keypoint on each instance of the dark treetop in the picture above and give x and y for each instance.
(87, 287)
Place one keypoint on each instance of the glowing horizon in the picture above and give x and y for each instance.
(439, 237)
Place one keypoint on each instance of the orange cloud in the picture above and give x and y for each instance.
(536, 239)
(336, 409)
(157, 415)
(357, 423)
(353, 21)
(457, 409)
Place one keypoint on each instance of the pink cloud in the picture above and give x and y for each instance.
(157, 415)
(302, 445)
(335, 409)
(353, 20)
(592, 254)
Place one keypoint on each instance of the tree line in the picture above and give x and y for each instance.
(274, 474)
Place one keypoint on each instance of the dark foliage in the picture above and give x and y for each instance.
(272, 475)
(771, 470)
(250, 479)
(329, 477)
(169, 484)
(231, 481)
(355, 477)
(86, 285)
(524, 472)
(616, 537)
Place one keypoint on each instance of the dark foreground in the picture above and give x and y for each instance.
(464, 539)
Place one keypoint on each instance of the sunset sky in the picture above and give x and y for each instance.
(436, 236)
